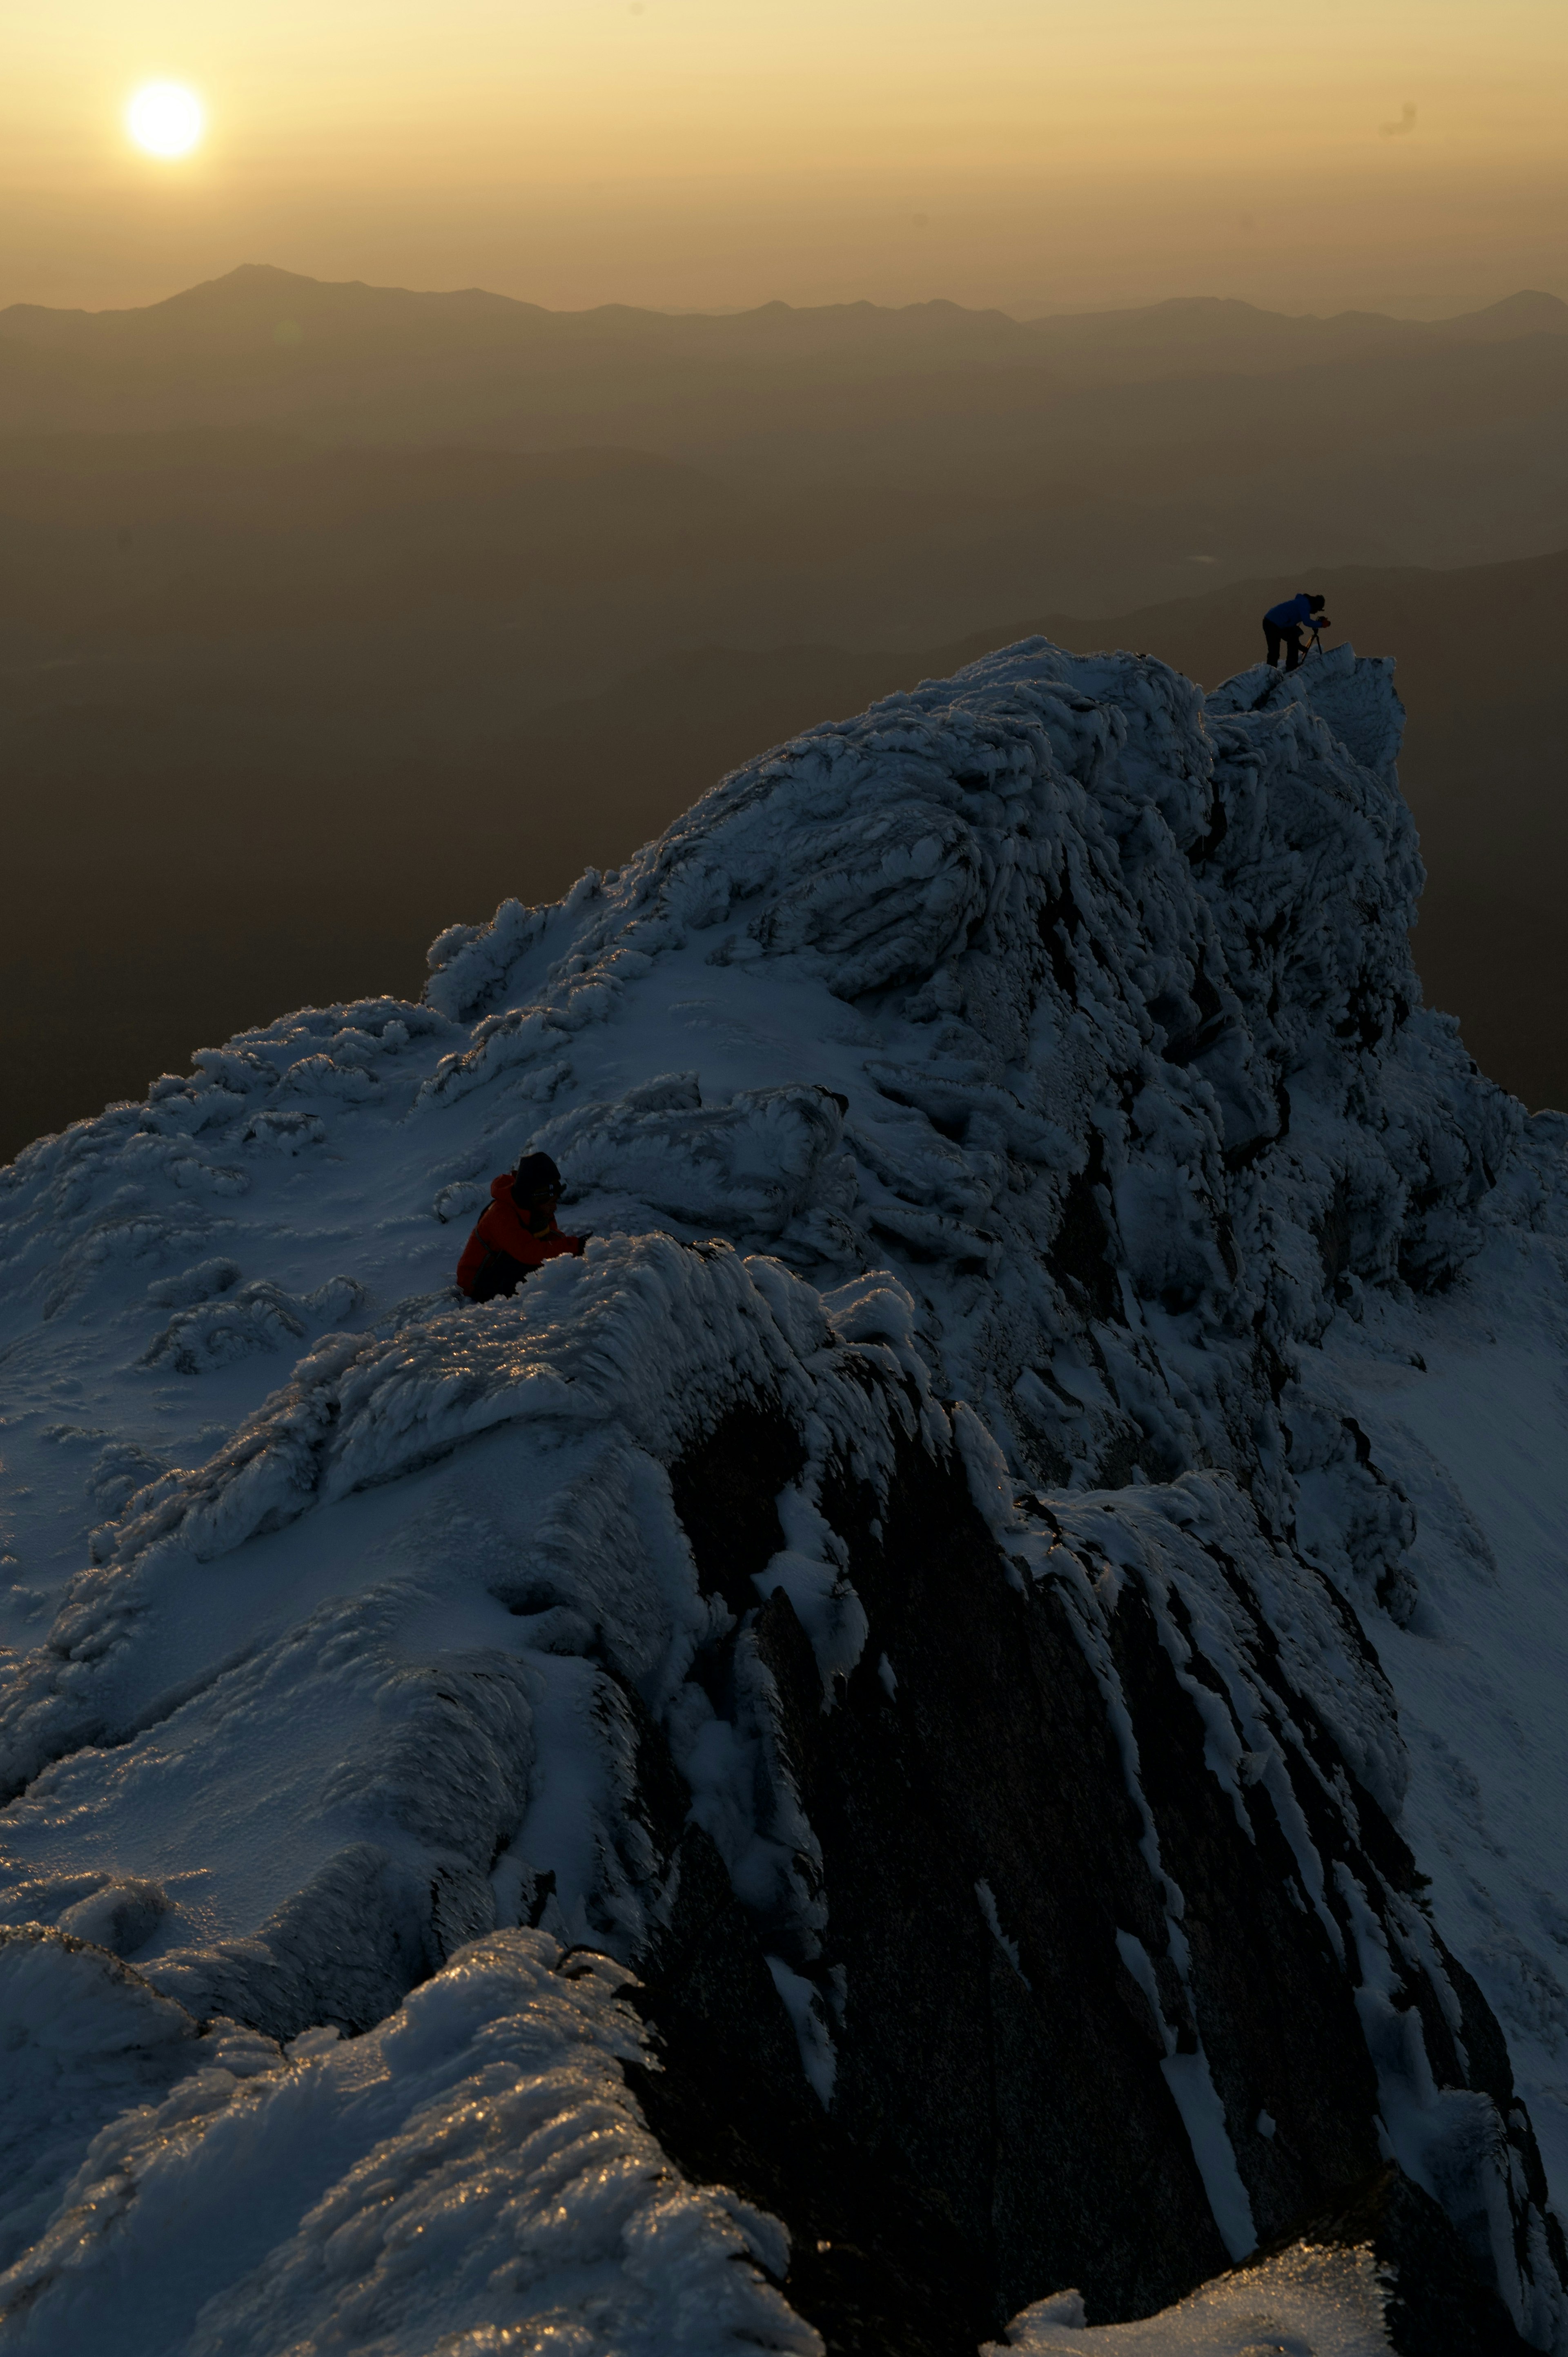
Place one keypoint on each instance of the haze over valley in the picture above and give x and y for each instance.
(331, 613)
(784, 1179)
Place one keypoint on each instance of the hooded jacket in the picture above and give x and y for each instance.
(503, 1248)
(1291, 612)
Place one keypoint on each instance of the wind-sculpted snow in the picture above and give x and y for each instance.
(953, 1503)
(641, 1341)
(1156, 1028)
(1329, 2301)
(474, 2171)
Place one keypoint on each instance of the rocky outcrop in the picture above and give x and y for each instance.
(899, 1611)
(1123, 1971)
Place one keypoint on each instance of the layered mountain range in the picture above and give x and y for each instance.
(329, 612)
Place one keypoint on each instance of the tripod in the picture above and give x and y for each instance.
(1316, 643)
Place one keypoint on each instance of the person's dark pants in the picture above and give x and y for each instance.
(1274, 639)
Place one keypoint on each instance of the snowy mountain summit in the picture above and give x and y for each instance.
(953, 1733)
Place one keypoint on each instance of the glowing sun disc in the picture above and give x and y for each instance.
(165, 118)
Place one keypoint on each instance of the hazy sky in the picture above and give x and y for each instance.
(1407, 154)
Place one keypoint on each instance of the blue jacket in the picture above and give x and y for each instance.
(1291, 609)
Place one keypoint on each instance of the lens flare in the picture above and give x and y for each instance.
(166, 119)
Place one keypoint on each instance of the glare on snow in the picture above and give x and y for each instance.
(165, 118)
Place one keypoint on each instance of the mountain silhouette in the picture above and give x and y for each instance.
(411, 551)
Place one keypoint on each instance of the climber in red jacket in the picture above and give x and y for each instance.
(517, 1233)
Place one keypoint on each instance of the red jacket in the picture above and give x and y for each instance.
(503, 1230)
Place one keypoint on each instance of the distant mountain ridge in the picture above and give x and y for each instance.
(347, 553)
(965, 463)
(412, 759)
(260, 296)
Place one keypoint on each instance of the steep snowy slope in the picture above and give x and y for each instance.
(963, 1709)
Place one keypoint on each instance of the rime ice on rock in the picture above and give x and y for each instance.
(998, 1116)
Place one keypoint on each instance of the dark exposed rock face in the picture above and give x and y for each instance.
(998, 1850)
(1015, 1881)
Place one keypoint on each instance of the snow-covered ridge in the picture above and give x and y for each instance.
(1022, 1089)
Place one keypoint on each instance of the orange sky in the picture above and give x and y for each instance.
(707, 153)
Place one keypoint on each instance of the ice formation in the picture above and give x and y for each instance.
(957, 1724)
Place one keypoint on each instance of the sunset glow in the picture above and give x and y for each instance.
(166, 119)
(704, 154)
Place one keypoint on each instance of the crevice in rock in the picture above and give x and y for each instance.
(1001, 2124)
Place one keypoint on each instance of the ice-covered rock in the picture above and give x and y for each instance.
(930, 1593)
(472, 2174)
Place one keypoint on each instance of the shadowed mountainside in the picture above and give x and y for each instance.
(188, 852)
(265, 336)
(328, 613)
(950, 462)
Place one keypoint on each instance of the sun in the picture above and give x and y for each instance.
(165, 118)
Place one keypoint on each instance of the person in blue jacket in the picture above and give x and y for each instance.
(1283, 623)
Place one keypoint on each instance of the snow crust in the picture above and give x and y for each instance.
(1033, 1064)
(1326, 2301)
(472, 2170)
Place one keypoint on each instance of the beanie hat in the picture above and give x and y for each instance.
(534, 1175)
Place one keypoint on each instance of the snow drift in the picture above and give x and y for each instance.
(957, 1724)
